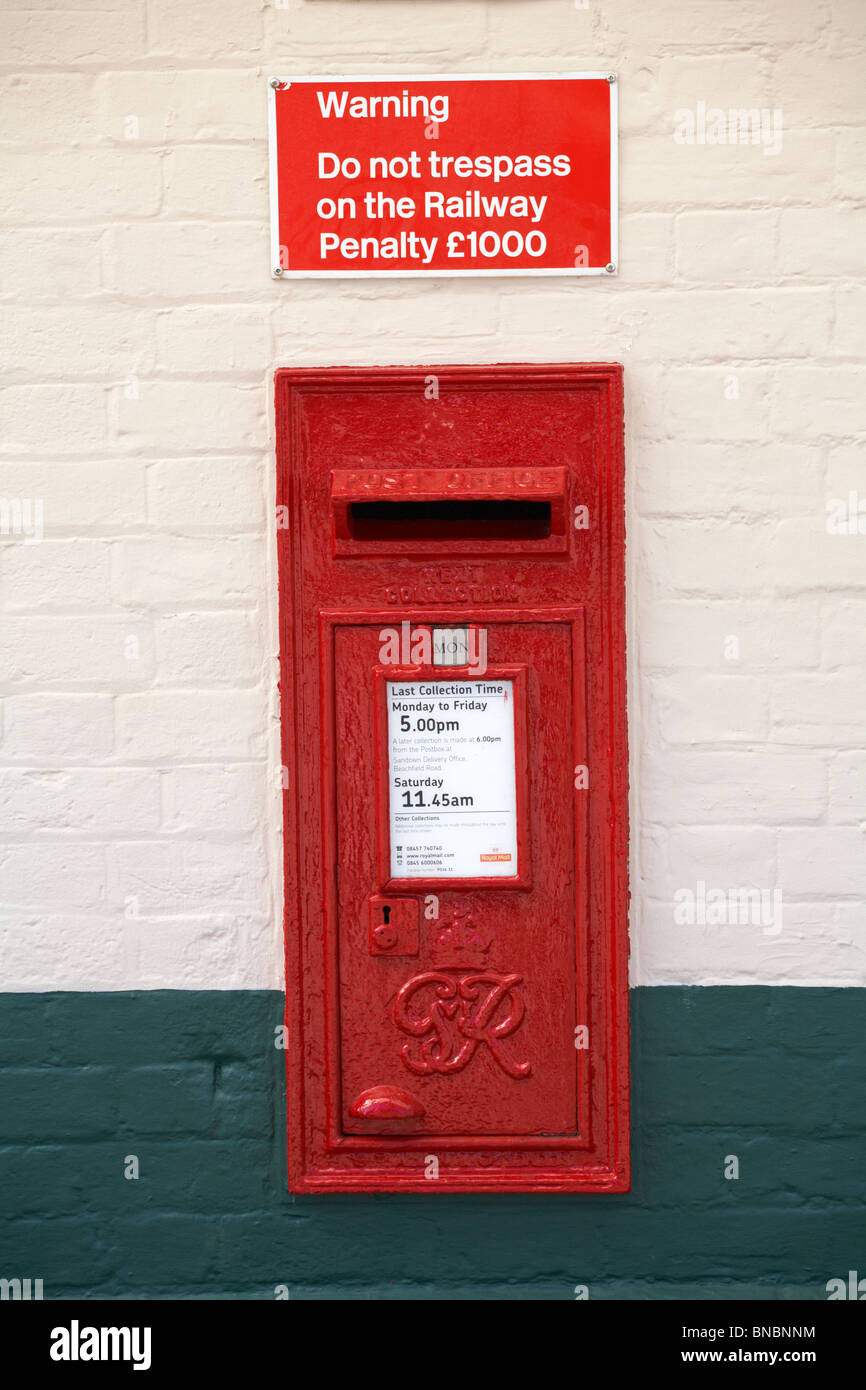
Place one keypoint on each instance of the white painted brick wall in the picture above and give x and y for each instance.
(139, 810)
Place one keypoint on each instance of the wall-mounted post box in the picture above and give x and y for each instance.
(451, 551)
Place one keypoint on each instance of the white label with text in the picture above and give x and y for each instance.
(452, 779)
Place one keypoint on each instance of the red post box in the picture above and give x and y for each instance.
(451, 552)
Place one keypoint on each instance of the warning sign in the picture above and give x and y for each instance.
(452, 780)
(443, 176)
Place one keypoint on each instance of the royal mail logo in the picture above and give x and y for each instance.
(495, 858)
(453, 1014)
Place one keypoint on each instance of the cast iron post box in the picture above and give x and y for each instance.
(451, 551)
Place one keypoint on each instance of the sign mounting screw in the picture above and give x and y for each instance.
(611, 77)
(610, 268)
(276, 83)
(278, 270)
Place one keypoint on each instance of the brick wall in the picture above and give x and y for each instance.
(191, 1085)
(138, 752)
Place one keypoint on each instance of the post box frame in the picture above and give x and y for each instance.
(321, 1158)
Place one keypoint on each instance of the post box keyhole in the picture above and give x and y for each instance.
(384, 935)
(394, 926)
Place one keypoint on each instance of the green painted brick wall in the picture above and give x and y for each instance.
(192, 1084)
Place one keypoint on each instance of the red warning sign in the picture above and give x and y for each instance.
(443, 175)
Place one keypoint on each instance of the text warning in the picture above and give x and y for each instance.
(443, 176)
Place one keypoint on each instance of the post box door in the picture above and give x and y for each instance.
(458, 993)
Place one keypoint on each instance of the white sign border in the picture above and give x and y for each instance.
(513, 811)
(333, 78)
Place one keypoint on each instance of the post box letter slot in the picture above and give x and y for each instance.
(448, 519)
(478, 511)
